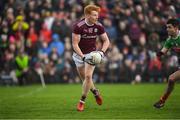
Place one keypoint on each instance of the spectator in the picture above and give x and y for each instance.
(22, 67)
(45, 34)
(57, 43)
(20, 24)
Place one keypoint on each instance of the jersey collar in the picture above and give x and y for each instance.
(87, 23)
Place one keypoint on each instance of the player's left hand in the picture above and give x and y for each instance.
(103, 59)
(102, 54)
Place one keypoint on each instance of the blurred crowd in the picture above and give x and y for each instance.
(35, 40)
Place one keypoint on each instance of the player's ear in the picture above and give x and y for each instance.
(87, 15)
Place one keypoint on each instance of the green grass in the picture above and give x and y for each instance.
(59, 101)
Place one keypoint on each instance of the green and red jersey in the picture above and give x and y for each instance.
(173, 43)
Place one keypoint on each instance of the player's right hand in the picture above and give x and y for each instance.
(88, 59)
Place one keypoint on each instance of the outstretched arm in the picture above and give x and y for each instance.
(162, 52)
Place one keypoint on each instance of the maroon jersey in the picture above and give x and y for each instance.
(88, 34)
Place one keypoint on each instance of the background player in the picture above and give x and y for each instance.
(84, 37)
(172, 42)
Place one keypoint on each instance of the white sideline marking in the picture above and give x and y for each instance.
(25, 95)
(31, 93)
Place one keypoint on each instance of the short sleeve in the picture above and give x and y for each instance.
(101, 29)
(76, 29)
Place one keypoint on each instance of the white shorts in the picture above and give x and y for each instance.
(78, 60)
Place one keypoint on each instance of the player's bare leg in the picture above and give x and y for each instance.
(81, 71)
(171, 82)
(87, 83)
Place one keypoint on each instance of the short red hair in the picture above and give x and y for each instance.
(89, 8)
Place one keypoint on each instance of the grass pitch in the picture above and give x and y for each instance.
(121, 101)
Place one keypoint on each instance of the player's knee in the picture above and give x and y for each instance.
(171, 78)
(88, 78)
